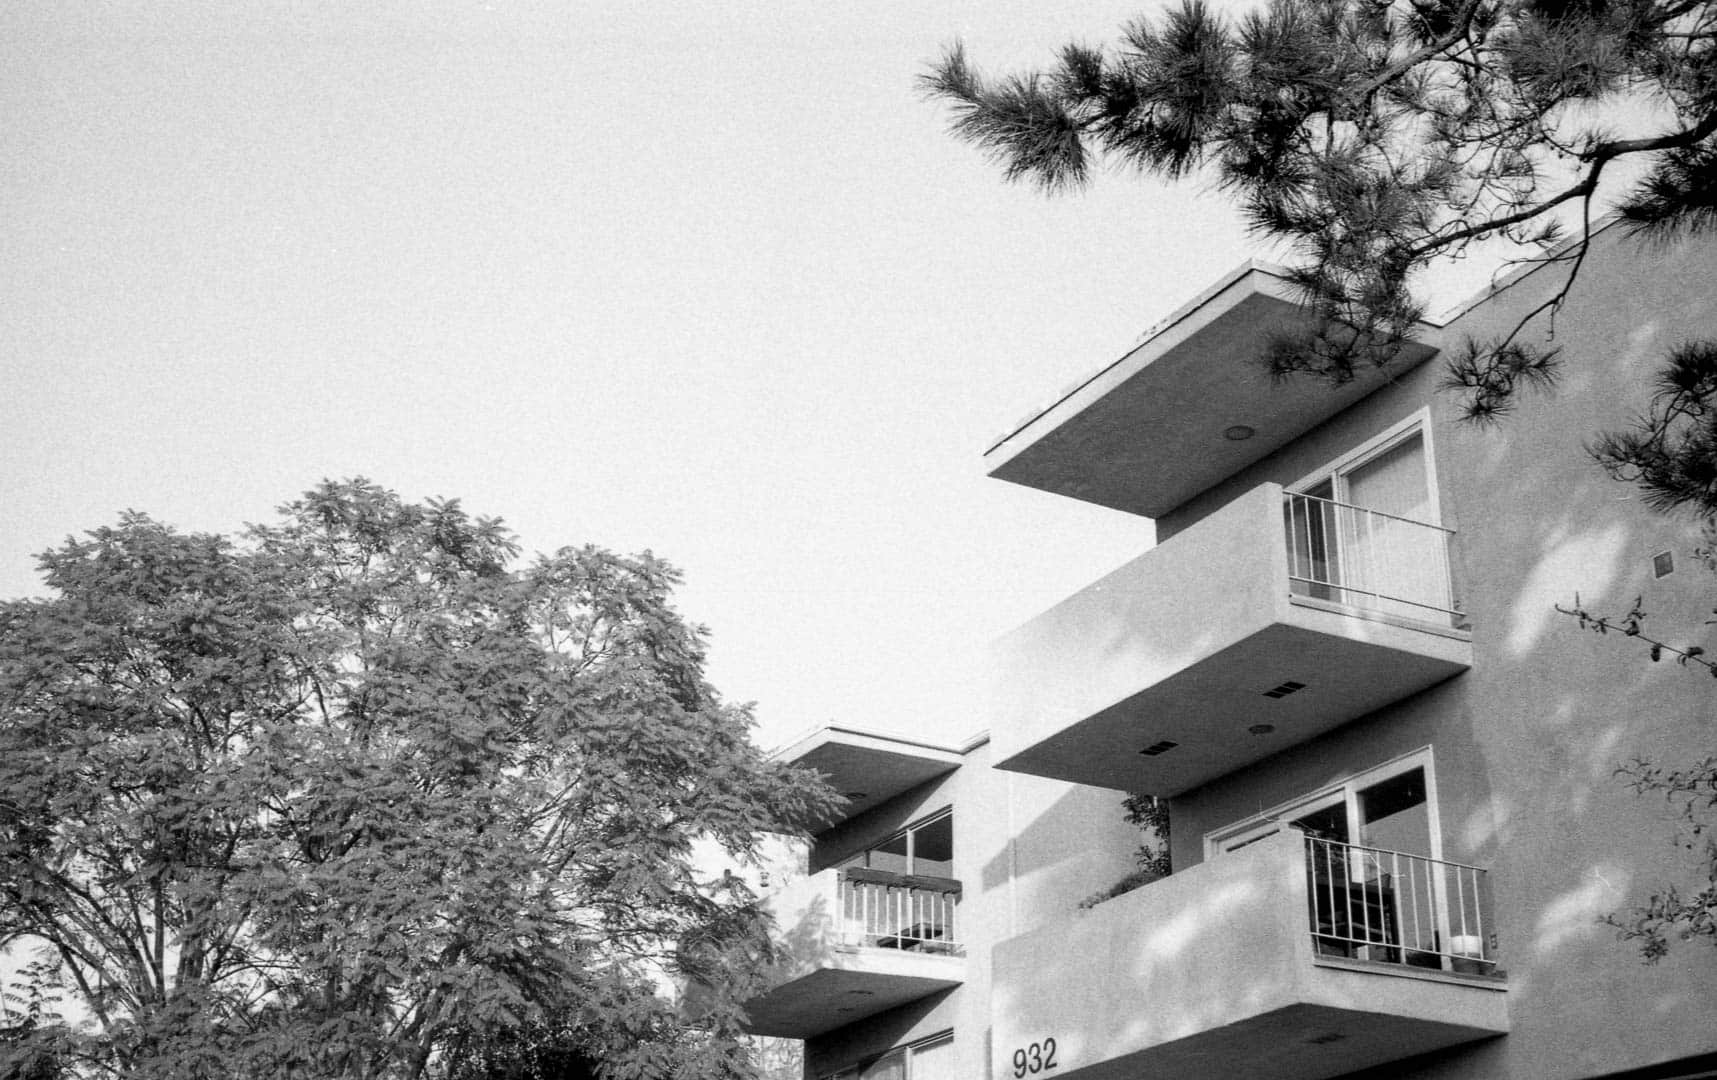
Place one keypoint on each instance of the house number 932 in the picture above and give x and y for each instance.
(1036, 1058)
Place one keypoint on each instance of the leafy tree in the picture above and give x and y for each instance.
(1671, 913)
(357, 795)
(1372, 137)
(1151, 858)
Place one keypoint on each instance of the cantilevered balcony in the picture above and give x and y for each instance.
(1193, 404)
(1292, 958)
(1271, 621)
(856, 942)
(868, 768)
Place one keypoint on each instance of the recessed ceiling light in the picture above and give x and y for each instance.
(1239, 433)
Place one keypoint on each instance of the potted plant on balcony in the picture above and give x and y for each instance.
(1151, 860)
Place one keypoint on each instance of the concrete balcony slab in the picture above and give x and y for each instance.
(1213, 973)
(837, 968)
(1197, 659)
(1146, 433)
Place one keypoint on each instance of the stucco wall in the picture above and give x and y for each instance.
(1527, 743)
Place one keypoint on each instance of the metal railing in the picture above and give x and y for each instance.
(1366, 558)
(1375, 904)
(894, 912)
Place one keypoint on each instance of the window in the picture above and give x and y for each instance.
(923, 849)
(928, 1059)
(1363, 531)
(1391, 806)
(1376, 883)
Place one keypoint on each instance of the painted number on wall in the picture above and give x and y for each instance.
(1036, 1058)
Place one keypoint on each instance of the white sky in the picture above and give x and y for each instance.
(709, 279)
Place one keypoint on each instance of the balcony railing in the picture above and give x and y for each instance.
(891, 911)
(1388, 906)
(1368, 559)
(1241, 983)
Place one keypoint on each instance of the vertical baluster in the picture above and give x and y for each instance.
(1302, 551)
(1344, 573)
(1311, 569)
(1478, 916)
(1366, 526)
(1413, 866)
(1461, 894)
(1330, 573)
(1445, 584)
(1356, 873)
(1311, 884)
(1336, 569)
(1312, 861)
(1336, 930)
(1395, 899)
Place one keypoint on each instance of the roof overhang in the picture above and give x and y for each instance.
(1158, 426)
(867, 767)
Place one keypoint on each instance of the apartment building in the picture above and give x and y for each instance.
(1391, 763)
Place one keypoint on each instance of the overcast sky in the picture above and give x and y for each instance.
(708, 279)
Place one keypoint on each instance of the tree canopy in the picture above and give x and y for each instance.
(356, 794)
(1375, 136)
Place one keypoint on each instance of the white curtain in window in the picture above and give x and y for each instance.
(1393, 561)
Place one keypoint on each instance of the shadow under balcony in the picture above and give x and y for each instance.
(1275, 619)
(856, 942)
(1148, 432)
(1293, 958)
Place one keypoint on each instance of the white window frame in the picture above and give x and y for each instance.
(1247, 830)
(1397, 433)
(908, 1051)
(909, 831)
